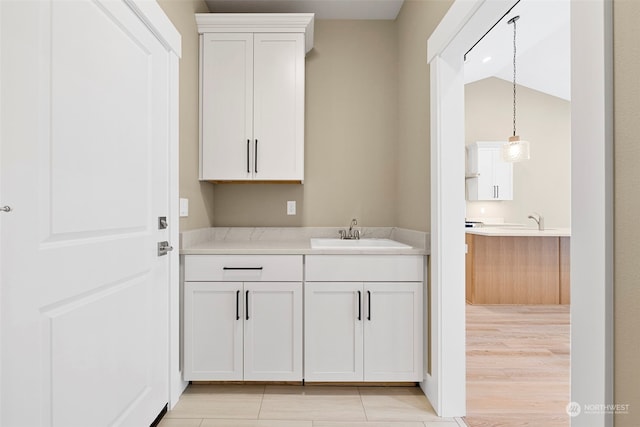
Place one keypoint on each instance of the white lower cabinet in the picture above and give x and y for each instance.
(242, 330)
(273, 332)
(363, 331)
(393, 332)
(213, 331)
(363, 317)
(333, 332)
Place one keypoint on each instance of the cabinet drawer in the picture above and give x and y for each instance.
(243, 268)
(364, 268)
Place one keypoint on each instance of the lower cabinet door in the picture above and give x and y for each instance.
(212, 331)
(273, 331)
(333, 331)
(393, 332)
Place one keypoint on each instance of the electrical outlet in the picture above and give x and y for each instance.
(291, 207)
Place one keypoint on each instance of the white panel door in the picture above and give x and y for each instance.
(273, 332)
(226, 90)
(84, 143)
(279, 106)
(333, 331)
(392, 332)
(213, 313)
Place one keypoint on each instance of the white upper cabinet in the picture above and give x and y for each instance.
(252, 77)
(488, 176)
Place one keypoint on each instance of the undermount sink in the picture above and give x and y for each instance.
(320, 243)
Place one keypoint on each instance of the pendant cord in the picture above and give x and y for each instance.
(513, 21)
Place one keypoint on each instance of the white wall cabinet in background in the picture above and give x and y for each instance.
(361, 330)
(252, 85)
(488, 176)
(240, 322)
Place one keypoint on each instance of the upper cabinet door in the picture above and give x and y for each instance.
(486, 182)
(488, 176)
(226, 106)
(279, 70)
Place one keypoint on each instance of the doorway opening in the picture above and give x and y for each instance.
(518, 218)
(591, 217)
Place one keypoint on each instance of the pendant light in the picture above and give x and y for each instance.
(516, 150)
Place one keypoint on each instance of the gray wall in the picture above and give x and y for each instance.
(627, 210)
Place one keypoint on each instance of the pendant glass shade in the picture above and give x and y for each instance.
(515, 150)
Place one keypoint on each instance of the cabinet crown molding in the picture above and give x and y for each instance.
(258, 23)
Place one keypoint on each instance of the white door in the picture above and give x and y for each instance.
(392, 332)
(279, 106)
(273, 332)
(334, 315)
(226, 84)
(213, 316)
(84, 162)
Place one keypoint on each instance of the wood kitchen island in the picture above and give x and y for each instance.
(517, 266)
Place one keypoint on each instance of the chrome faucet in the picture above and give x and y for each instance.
(351, 234)
(539, 220)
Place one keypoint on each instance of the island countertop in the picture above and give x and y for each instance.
(519, 232)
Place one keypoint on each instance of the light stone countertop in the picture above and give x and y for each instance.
(519, 232)
(293, 241)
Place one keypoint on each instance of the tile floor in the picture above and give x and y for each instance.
(303, 406)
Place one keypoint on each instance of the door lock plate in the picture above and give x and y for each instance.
(162, 222)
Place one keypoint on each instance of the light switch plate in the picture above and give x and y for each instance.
(184, 207)
(291, 207)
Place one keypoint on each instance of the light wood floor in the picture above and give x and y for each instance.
(308, 406)
(517, 365)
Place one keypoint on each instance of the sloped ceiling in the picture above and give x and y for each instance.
(543, 44)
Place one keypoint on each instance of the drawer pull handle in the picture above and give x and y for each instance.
(242, 268)
(237, 305)
(369, 295)
(359, 305)
(247, 305)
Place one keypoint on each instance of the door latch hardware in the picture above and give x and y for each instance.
(5, 209)
(164, 248)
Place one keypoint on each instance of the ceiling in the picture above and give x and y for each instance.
(543, 45)
(543, 61)
(324, 9)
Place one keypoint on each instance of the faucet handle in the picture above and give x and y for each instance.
(342, 234)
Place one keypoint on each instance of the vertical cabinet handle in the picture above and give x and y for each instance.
(369, 295)
(248, 150)
(238, 305)
(497, 191)
(246, 304)
(255, 157)
(359, 305)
